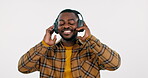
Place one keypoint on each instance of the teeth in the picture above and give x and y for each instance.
(67, 31)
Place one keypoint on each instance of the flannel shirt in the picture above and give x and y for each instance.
(88, 58)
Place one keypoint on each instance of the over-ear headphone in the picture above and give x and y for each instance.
(80, 21)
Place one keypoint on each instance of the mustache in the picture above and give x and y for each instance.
(71, 29)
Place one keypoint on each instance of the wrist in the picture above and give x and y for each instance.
(88, 37)
(45, 44)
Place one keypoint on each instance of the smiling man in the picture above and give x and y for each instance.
(71, 57)
(67, 26)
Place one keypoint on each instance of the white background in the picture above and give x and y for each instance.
(120, 24)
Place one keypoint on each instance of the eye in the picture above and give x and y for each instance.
(71, 22)
(61, 23)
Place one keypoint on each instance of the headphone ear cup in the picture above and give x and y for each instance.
(80, 24)
(56, 27)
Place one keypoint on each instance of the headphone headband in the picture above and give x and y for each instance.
(78, 14)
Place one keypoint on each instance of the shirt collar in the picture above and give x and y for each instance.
(78, 41)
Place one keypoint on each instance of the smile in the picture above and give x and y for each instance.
(67, 32)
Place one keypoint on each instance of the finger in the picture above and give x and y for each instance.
(55, 38)
(85, 24)
(50, 29)
(49, 32)
(80, 28)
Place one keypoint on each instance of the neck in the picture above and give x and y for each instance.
(68, 43)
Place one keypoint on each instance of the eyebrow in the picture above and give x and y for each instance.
(71, 20)
(68, 20)
(61, 20)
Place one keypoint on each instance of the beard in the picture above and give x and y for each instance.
(73, 37)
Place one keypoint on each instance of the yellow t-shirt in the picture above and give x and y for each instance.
(67, 72)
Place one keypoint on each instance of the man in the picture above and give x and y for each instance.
(73, 56)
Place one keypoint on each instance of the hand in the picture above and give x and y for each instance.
(47, 38)
(87, 32)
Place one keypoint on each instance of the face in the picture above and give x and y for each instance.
(67, 24)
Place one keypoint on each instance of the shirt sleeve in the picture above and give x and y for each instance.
(107, 58)
(29, 62)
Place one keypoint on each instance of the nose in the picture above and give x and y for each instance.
(66, 26)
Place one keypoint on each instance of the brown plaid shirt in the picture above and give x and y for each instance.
(87, 59)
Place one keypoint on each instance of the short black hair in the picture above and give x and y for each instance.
(69, 11)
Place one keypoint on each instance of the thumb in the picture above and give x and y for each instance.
(55, 38)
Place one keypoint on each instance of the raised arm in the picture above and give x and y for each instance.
(30, 61)
(107, 58)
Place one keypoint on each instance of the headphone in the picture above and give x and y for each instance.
(80, 21)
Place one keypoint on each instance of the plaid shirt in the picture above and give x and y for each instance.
(88, 58)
